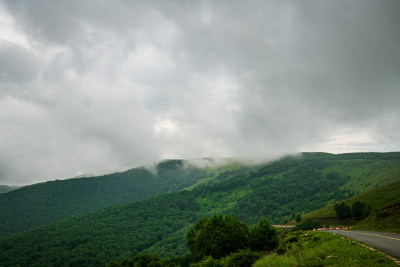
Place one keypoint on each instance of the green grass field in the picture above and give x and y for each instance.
(311, 248)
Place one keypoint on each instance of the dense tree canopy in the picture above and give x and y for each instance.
(342, 210)
(221, 235)
(263, 237)
(217, 236)
(43, 203)
(307, 225)
(358, 209)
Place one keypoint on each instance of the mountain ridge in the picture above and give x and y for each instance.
(47, 202)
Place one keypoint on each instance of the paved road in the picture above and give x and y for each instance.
(386, 242)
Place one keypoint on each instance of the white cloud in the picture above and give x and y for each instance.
(9, 31)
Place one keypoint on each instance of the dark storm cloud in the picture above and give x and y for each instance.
(303, 68)
(100, 85)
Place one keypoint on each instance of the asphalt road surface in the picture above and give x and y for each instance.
(386, 242)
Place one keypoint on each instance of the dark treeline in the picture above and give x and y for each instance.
(371, 155)
(358, 210)
(354, 155)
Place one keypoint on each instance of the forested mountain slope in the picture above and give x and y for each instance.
(43, 203)
(159, 224)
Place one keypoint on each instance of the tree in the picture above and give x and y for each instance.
(217, 236)
(358, 209)
(367, 211)
(342, 210)
(263, 237)
(298, 217)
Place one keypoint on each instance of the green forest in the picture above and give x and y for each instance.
(43, 203)
(159, 224)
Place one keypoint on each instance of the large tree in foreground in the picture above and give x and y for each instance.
(263, 237)
(217, 236)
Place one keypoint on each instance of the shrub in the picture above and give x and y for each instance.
(307, 225)
(358, 209)
(144, 260)
(263, 237)
(207, 262)
(342, 210)
(242, 258)
(124, 263)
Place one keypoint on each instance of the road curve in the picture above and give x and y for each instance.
(388, 243)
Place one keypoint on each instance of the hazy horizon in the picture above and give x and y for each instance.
(199, 162)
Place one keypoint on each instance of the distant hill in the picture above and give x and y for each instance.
(47, 202)
(159, 224)
(7, 188)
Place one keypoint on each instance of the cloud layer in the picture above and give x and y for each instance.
(90, 86)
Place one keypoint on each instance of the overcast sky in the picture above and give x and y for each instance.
(93, 86)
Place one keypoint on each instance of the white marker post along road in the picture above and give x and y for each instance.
(388, 243)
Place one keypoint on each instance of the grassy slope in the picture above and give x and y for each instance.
(366, 174)
(376, 198)
(322, 249)
(370, 174)
(386, 219)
